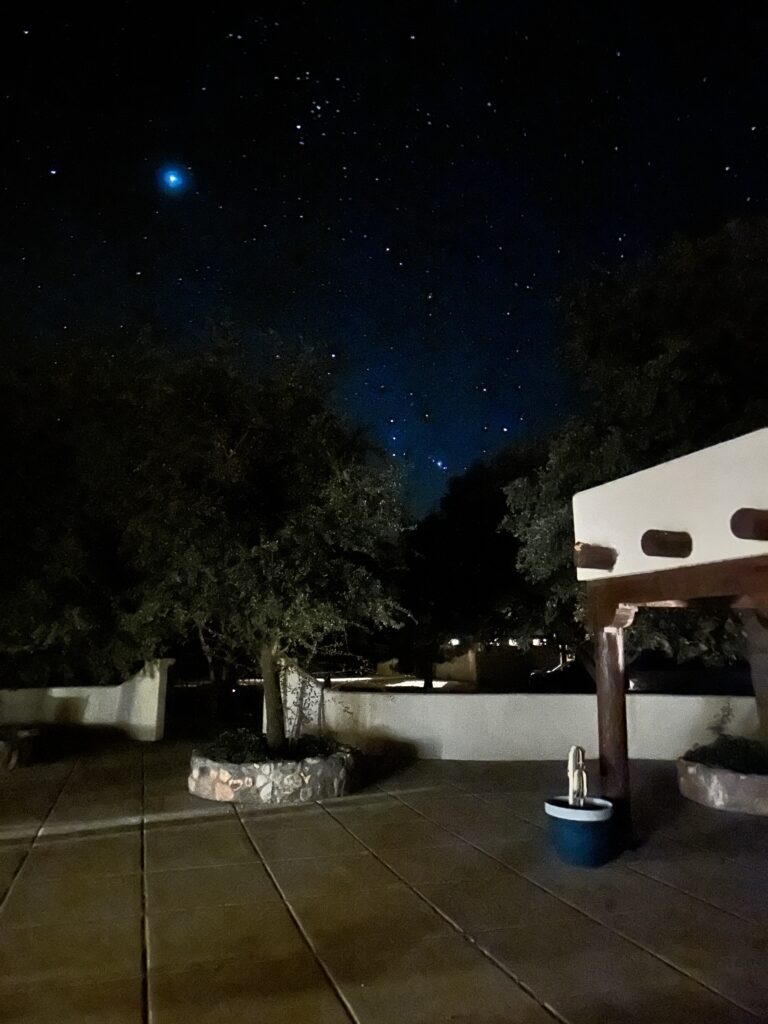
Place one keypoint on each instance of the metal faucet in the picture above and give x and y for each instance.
(577, 777)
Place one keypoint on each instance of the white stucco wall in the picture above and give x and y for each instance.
(522, 726)
(136, 706)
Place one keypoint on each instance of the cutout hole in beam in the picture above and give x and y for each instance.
(750, 524)
(666, 543)
(593, 556)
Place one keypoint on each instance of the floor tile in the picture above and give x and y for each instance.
(176, 808)
(724, 952)
(52, 953)
(374, 921)
(279, 992)
(62, 1002)
(415, 834)
(497, 902)
(246, 932)
(430, 865)
(709, 877)
(306, 842)
(10, 859)
(201, 845)
(220, 885)
(590, 975)
(329, 876)
(281, 819)
(97, 854)
(38, 897)
(433, 981)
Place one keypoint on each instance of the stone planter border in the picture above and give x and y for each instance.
(269, 783)
(722, 789)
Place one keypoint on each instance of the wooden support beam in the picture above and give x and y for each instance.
(612, 712)
(684, 583)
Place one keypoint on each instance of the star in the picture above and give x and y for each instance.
(173, 179)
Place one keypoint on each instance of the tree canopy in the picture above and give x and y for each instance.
(159, 494)
(669, 357)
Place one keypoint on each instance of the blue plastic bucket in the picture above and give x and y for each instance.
(582, 835)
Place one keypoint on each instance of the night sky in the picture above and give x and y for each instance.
(407, 185)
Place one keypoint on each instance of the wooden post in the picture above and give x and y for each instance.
(612, 712)
(612, 708)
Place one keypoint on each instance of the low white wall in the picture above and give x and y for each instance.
(520, 726)
(136, 706)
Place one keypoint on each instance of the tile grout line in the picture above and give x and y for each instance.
(36, 836)
(693, 896)
(144, 922)
(636, 868)
(457, 928)
(579, 910)
(297, 921)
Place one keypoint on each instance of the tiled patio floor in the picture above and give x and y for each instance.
(431, 898)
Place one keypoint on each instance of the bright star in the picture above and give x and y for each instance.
(173, 179)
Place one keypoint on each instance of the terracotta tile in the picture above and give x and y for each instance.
(726, 953)
(51, 953)
(590, 975)
(382, 808)
(329, 876)
(709, 877)
(246, 932)
(62, 1002)
(432, 981)
(197, 845)
(78, 817)
(306, 842)
(177, 808)
(97, 854)
(220, 885)
(39, 898)
(374, 920)
(498, 902)
(456, 863)
(289, 991)
(412, 833)
(281, 819)
(10, 859)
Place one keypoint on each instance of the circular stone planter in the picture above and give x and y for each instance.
(722, 788)
(272, 782)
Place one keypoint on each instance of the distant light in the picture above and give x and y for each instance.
(512, 643)
(455, 641)
(52, 170)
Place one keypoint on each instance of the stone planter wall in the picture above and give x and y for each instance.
(271, 782)
(723, 789)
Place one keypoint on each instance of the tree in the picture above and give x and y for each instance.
(459, 577)
(669, 357)
(192, 494)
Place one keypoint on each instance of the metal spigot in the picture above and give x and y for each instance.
(577, 777)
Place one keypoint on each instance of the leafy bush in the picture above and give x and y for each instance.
(242, 746)
(750, 757)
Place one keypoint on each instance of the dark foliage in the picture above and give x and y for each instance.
(735, 753)
(241, 746)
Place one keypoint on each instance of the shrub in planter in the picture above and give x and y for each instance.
(238, 767)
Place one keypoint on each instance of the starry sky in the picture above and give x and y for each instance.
(408, 185)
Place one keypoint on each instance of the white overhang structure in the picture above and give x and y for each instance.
(691, 528)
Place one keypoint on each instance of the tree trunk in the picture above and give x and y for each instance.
(273, 698)
(429, 673)
(216, 675)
